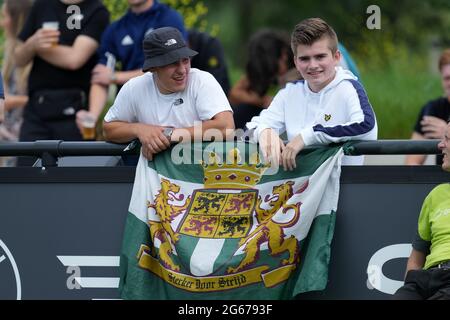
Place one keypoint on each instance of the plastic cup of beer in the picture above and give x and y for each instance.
(51, 25)
(88, 127)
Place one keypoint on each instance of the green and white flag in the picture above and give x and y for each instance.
(226, 227)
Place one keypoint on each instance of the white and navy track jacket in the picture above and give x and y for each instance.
(339, 112)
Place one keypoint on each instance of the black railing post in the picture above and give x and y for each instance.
(49, 151)
(49, 160)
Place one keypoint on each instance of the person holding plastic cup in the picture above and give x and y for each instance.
(63, 49)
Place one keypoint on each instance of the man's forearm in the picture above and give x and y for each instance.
(120, 132)
(124, 76)
(415, 159)
(98, 97)
(70, 57)
(60, 56)
(15, 101)
(24, 52)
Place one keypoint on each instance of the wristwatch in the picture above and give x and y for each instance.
(168, 133)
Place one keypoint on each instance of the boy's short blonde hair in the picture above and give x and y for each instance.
(311, 30)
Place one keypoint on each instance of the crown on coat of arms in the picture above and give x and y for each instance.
(232, 173)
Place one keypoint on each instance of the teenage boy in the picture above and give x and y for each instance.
(329, 105)
(122, 42)
(171, 102)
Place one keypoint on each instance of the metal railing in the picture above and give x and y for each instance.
(50, 150)
(389, 147)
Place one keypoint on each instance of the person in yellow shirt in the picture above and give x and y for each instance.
(428, 267)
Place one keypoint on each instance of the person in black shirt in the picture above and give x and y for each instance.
(62, 59)
(210, 57)
(434, 116)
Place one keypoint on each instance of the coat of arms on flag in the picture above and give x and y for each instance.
(224, 229)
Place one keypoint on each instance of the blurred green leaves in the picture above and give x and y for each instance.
(193, 12)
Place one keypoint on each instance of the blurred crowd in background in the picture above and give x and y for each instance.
(244, 44)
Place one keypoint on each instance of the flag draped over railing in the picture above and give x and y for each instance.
(210, 221)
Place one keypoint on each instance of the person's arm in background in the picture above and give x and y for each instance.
(415, 159)
(241, 94)
(15, 101)
(100, 79)
(427, 126)
(98, 97)
(102, 75)
(433, 127)
(291, 75)
(41, 40)
(74, 56)
(70, 57)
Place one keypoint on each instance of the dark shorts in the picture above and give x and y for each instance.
(431, 284)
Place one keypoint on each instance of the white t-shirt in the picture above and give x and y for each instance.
(139, 100)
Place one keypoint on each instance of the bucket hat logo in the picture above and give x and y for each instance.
(170, 42)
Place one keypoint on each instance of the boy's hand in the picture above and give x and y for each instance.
(271, 146)
(290, 152)
(152, 139)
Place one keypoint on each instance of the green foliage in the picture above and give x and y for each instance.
(116, 8)
(397, 92)
(414, 23)
(193, 12)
